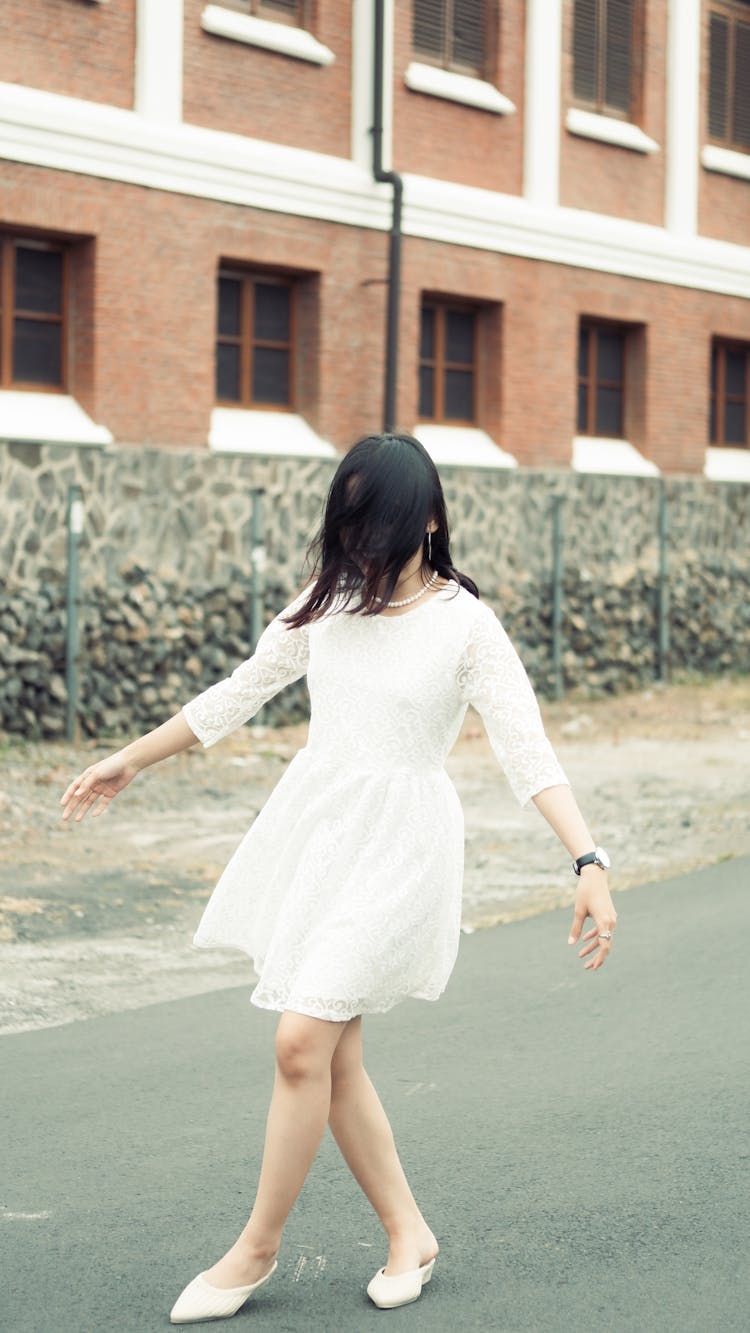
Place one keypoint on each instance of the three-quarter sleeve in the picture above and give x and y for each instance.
(492, 678)
(281, 656)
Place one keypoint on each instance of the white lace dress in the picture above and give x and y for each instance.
(346, 891)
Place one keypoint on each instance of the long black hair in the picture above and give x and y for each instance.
(384, 493)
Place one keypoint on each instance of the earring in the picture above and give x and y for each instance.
(429, 547)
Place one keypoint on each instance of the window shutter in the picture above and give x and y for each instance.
(452, 31)
(468, 33)
(618, 54)
(718, 76)
(741, 100)
(428, 27)
(585, 48)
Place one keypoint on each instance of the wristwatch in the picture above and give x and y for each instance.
(597, 857)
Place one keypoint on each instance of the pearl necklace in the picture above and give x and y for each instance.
(415, 598)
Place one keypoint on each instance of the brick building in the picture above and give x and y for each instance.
(194, 251)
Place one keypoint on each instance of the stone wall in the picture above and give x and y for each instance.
(165, 558)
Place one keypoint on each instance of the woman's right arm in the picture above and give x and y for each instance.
(281, 656)
(101, 782)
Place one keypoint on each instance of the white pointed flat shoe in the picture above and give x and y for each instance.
(201, 1301)
(388, 1292)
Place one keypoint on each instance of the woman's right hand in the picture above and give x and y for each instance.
(97, 786)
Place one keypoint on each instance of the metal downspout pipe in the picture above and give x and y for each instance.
(394, 248)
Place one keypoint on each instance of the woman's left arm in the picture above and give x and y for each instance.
(492, 677)
(560, 809)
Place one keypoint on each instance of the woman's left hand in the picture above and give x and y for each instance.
(593, 899)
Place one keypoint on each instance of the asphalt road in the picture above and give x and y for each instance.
(578, 1142)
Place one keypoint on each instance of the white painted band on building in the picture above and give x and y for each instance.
(158, 60)
(67, 134)
(541, 149)
(683, 101)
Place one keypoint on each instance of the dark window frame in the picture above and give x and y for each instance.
(440, 365)
(262, 10)
(634, 112)
(485, 70)
(719, 397)
(246, 340)
(734, 14)
(591, 381)
(9, 312)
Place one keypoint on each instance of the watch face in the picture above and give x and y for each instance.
(602, 858)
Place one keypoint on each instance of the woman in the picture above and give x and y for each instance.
(346, 892)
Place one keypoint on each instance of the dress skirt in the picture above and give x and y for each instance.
(346, 890)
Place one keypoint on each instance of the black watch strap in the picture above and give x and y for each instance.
(586, 860)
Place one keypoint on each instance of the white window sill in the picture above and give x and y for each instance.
(462, 446)
(242, 430)
(724, 464)
(608, 129)
(600, 453)
(279, 37)
(444, 83)
(47, 418)
(726, 161)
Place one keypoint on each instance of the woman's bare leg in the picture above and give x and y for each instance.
(362, 1131)
(296, 1122)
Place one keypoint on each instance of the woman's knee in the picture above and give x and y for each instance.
(304, 1046)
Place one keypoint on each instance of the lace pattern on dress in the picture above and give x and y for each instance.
(493, 679)
(281, 656)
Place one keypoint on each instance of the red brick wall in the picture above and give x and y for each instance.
(723, 201)
(144, 316)
(533, 411)
(83, 345)
(450, 271)
(434, 137)
(80, 50)
(153, 267)
(724, 207)
(604, 178)
(247, 90)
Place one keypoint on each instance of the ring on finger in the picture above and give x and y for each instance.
(605, 935)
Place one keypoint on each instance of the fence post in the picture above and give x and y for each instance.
(74, 530)
(663, 588)
(257, 567)
(257, 576)
(557, 578)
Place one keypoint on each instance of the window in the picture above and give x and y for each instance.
(447, 362)
(729, 74)
(32, 313)
(254, 338)
(452, 33)
(730, 393)
(606, 56)
(288, 11)
(601, 379)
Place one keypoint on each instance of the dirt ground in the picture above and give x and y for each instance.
(100, 917)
